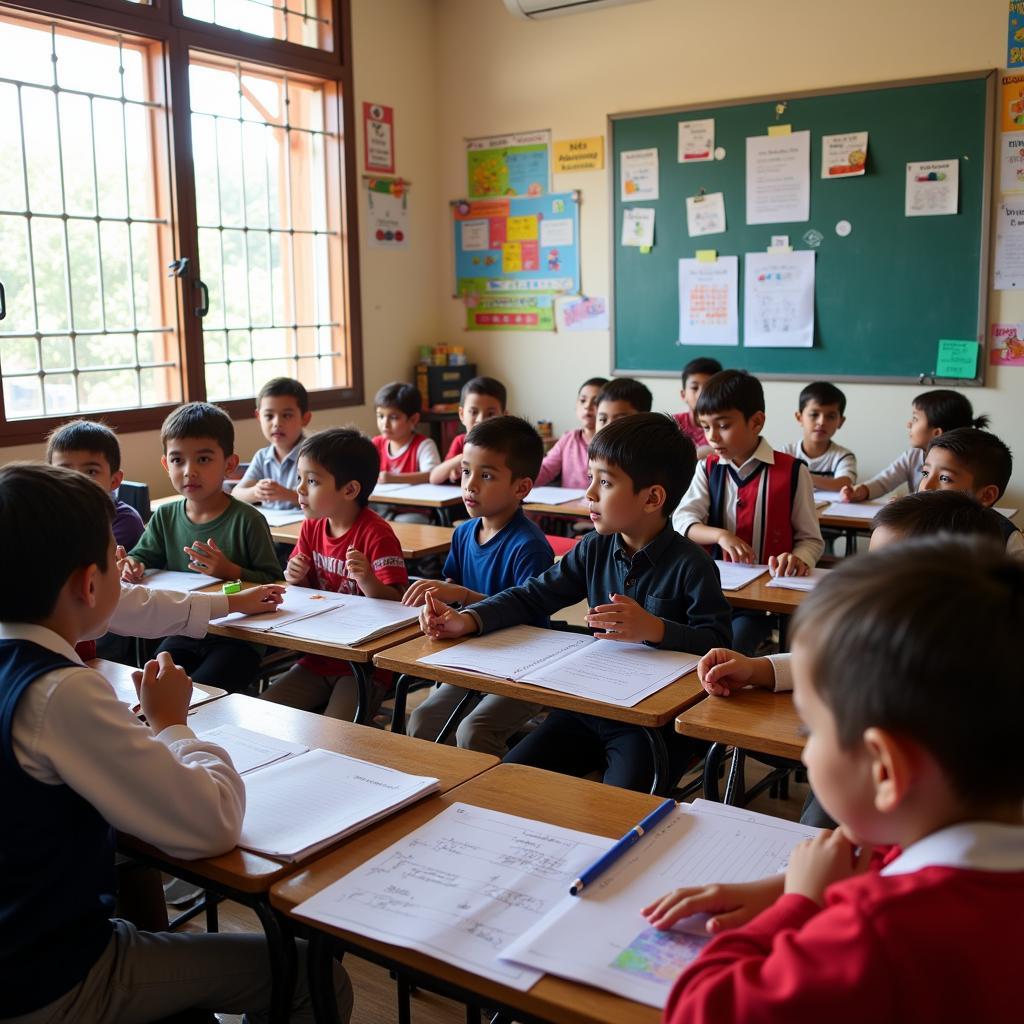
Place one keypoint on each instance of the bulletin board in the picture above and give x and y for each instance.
(885, 294)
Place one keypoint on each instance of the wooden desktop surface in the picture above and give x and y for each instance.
(652, 712)
(120, 678)
(418, 540)
(752, 719)
(579, 509)
(250, 872)
(758, 596)
(395, 498)
(513, 789)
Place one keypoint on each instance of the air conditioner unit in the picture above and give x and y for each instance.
(554, 8)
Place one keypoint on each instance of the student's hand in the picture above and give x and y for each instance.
(450, 593)
(440, 622)
(257, 600)
(721, 671)
(386, 478)
(120, 559)
(858, 493)
(729, 906)
(455, 476)
(207, 558)
(788, 565)
(297, 570)
(357, 565)
(131, 570)
(627, 621)
(164, 691)
(817, 863)
(271, 490)
(735, 548)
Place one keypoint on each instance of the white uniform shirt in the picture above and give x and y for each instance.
(835, 461)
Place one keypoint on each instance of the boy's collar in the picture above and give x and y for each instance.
(977, 845)
(763, 453)
(40, 635)
(652, 549)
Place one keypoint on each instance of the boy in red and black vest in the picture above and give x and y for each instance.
(747, 502)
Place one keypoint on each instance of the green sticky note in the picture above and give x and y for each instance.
(957, 359)
(645, 249)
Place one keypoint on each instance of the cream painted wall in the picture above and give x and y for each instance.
(498, 73)
(395, 64)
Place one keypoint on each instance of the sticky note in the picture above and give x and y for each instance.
(707, 255)
(780, 129)
(957, 359)
(522, 229)
(511, 257)
(645, 249)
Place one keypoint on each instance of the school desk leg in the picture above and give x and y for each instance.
(734, 784)
(659, 756)
(402, 684)
(320, 965)
(712, 769)
(282, 963)
(783, 633)
(404, 1003)
(456, 716)
(364, 680)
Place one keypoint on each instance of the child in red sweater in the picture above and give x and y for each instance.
(913, 909)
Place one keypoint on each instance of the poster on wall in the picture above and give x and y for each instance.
(708, 292)
(510, 312)
(517, 246)
(778, 299)
(387, 212)
(844, 156)
(1009, 263)
(379, 138)
(779, 178)
(1015, 35)
(518, 164)
(1007, 348)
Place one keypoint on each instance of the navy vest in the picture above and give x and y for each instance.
(1007, 527)
(56, 863)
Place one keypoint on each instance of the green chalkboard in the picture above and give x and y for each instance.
(885, 294)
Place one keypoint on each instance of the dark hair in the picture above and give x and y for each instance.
(651, 449)
(199, 419)
(285, 387)
(948, 410)
(883, 634)
(85, 436)
(515, 439)
(58, 521)
(484, 386)
(702, 364)
(985, 455)
(593, 382)
(824, 393)
(398, 395)
(625, 389)
(928, 513)
(731, 389)
(346, 455)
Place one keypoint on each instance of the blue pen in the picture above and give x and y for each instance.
(608, 859)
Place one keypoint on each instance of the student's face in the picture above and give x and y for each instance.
(479, 408)
(841, 778)
(920, 432)
(611, 410)
(319, 496)
(586, 407)
(197, 466)
(944, 471)
(819, 422)
(395, 425)
(281, 421)
(731, 435)
(614, 505)
(488, 487)
(693, 387)
(94, 465)
(106, 593)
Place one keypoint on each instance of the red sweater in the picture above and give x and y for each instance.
(940, 944)
(407, 462)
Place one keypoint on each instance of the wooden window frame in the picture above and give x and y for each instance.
(163, 23)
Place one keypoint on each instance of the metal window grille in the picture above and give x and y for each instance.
(294, 21)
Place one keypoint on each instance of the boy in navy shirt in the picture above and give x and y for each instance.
(496, 549)
(645, 584)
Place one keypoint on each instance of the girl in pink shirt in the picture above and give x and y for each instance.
(567, 460)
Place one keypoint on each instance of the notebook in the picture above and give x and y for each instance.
(735, 575)
(554, 495)
(424, 492)
(250, 750)
(298, 603)
(616, 673)
(350, 619)
(183, 582)
(804, 583)
(281, 516)
(865, 510)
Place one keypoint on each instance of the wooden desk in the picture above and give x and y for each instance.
(442, 507)
(120, 678)
(247, 877)
(650, 714)
(514, 789)
(758, 596)
(418, 540)
(575, 509)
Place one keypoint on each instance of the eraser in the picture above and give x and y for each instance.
(233, 588)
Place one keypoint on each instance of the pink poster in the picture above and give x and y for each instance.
(1007, 345)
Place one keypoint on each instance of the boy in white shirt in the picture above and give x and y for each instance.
(822, 413)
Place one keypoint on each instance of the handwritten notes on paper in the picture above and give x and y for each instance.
(638, 169)
(696, 141)
(779, 178)
(708, 294)
(933, 188)
(705, 215)
(1009, 262)
(778, 300)
(638, 226)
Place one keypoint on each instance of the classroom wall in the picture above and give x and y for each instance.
(395, 64)
(498, 73)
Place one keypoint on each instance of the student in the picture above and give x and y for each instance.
(92, 448)
(748, 503)
(567, 460)
(928, 786)
(345, 547)
(696, 373)
(498, 548)
(932, 413)
(282, 408)
(644, 583)
(77, 765)
(620, 397)
(481, 399)
(406, 457)
(977, 462)
(209, 532)
(822, 413)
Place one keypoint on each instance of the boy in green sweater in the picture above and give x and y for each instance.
(209, 532)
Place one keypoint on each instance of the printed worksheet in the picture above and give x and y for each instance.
(461, 888)
(778, 299)
(171, 579)
(735, 575)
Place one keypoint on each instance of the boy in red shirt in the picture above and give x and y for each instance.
(696, 373)
(905, 755)
(406, 457)
(344, 547)
(482, 398)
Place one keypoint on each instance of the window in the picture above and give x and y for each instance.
(104, 191)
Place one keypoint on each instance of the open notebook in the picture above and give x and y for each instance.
(554, 495)
(805, 583)
(171, 579)
(735, 575)
(603, 670)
